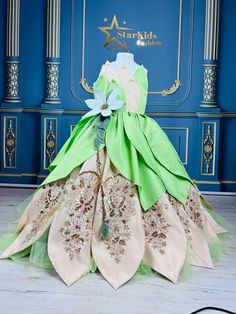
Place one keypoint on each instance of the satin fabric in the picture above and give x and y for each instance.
(154, 212)
(143, 152)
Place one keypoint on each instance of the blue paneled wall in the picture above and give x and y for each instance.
(53, 54)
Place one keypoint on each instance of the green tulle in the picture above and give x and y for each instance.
(37, 253)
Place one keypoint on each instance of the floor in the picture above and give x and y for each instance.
(28, 289)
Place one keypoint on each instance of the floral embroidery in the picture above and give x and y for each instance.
(155, 225)
(193, 207)
(185, 221)
(47, 203)
(80, 204)
(118, 201)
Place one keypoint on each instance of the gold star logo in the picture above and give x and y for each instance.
(109, 39)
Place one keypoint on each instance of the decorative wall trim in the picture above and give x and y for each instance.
(53, 52)
(210, 53)
(209, 85)
(52, 88)
(211, 29)
(50, 141)
(208, 148)
(185, 162)
(12, 86)
(13, 28)
(53, 28)
(9, 141)
(12, 51)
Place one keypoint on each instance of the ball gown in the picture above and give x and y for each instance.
(128, 207)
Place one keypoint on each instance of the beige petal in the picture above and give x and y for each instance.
(37, 217)
(166, 244)
(119, 255)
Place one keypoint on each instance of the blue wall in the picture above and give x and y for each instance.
(179, 114)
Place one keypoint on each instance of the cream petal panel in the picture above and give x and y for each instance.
(217, 228)
(23, 220)
(39, 215)
(194, 230)
(119, 255)
(198, 214)
(69, 241)
(166, 243)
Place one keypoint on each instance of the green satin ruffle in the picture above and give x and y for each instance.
(142, 153)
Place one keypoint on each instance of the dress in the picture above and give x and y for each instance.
(134, 185)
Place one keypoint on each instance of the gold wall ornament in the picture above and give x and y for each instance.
(50, 145)
(208, 148)
(52, 84)
(169, 91)
(85, 85)
(10, 124)
(209, 87)
(12, 84)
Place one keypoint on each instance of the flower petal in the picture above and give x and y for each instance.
(93, 103)
(99, 95)
(92, 112)
(116, 104)
(106, 112)
(113, 95)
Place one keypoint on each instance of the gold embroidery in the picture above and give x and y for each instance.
(46, 200)
(80, 204)
(155, 225)
(193, 207)
(119, 206)
(185, 221)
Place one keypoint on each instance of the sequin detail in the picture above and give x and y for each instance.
(155, 225)
(80, 203)
(193, 207)
(47, 201)
(119, 206)
(179, 208)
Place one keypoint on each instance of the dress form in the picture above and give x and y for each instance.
(125, 59)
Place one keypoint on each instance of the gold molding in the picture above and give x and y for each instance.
(4, 142)
(22, 175)
(207, 182)
(169, 91)
(44, 139)
(214, 148)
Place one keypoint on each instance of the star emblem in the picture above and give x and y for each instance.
(109, 38)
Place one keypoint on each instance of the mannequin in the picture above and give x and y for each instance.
(125, 59)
